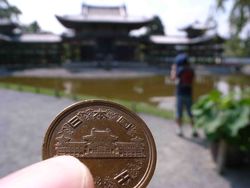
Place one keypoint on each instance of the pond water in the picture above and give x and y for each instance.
(150, 89)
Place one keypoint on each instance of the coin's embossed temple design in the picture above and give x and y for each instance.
(100, 144)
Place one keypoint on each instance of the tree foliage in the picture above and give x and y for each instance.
(237, 46)
(34, 27)
(8, 11)
(239, 20)
(239, 14)
(156, 27)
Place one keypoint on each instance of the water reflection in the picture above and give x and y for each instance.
(150, 89)
(236, 83)
(222, 86)
(68, 87)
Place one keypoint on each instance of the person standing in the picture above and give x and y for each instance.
(184, 75)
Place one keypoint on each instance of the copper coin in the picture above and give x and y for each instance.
(112, 141)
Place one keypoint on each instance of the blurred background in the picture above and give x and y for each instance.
(53, 53)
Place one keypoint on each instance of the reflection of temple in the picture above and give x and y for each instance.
(102, 33)
(17, 48)
(100, 144)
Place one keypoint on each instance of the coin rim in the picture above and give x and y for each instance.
(87, 103)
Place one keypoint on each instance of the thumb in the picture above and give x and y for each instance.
(57, 172)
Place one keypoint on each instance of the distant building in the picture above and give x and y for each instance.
(201, 46)
(102, 33)
(19, 49)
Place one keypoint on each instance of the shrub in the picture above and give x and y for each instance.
(225, 117)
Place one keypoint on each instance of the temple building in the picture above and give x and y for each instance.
(18, 49)
(102, 33)
(100, 144)
(201, 43)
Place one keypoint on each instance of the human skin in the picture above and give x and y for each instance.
(57, 172)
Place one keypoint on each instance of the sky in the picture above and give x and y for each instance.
(174, 14)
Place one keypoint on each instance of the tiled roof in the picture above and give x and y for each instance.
(93, 10)
(4, 38)
(206, 38)
(102, 19)
(7, 22)
(103, 15)
(162, 39)
(39, 38)
(195, 26)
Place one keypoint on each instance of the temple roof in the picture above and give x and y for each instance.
(90, 10)
(105, 15)
(7, 33)
(4, 38)
(208, 38)
(100, 135)
(7, 22)
(7, 26)
(78, 21)
(196, 29)
(163, 39)
(39, 38)
(32, 38)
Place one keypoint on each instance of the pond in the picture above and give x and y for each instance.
(149, 89)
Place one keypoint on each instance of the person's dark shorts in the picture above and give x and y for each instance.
(183, 101)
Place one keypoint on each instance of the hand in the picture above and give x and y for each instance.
(57, 172)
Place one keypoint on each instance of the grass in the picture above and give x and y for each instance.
(138, 107)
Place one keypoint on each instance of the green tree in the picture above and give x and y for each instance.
(239, 19)
(8, 11)
(237, 46)
(156, 27)
(239, 14)
(34, 27)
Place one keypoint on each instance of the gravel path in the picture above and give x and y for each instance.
(182, 162)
